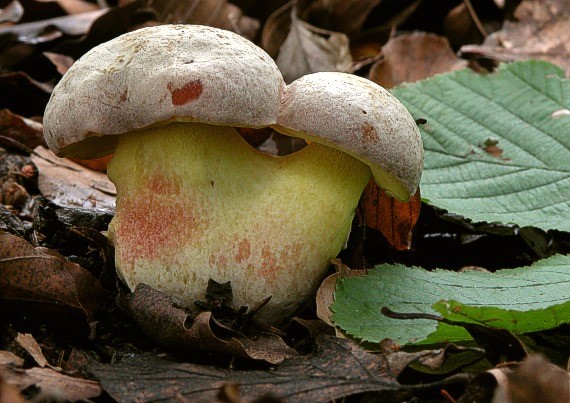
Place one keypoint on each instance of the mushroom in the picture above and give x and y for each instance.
(194, 200)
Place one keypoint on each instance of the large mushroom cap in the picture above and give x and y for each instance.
(159, 74)
(361, 118)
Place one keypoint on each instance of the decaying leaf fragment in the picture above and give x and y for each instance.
(24, 130)
(214, 13)
(338, 368)
(533, 380)
(52, 385)
(174, 329)
(540, 32)
(68, 184)
(304, 49)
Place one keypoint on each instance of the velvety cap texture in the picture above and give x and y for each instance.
(361, 118)
(157, 74)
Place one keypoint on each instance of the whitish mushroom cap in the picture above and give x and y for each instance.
(361, 118)
(160, 74)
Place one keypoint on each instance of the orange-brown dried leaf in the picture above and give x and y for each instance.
(413, 57)
(393, 218)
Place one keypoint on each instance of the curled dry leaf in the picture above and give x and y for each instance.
(413, 57)
(325, 293)
(68, 184)
(304, 49)
(24, 130)
(393, 218)
(214, 13)
(43, 277)
(541, 32)
(174, 329)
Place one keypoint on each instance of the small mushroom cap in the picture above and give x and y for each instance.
(361, 118)
(160, 74)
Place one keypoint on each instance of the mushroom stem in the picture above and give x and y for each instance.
(195, 201)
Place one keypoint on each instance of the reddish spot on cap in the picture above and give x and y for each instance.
(188, 93)
(369, 134)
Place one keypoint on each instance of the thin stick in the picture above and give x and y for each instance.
(476, 19)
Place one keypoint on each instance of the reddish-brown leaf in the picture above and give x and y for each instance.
(393, 218)
(44, 277)
(23, 130)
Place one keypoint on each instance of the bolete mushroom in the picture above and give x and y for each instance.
(194, 200)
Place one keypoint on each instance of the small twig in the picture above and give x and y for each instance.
(397, 315)
(475, 18)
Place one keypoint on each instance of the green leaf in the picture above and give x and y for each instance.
(519, 300)
(525, 107)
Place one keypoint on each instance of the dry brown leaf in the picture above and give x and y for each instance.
(23, 130)
(346, 16)
(304, 49)
(53, 385)
(537, 380)
(28, 343)
(68, 184)
(338, 368)
(9, 394)
(61, 62)
(214, 13)
(533, 380)
(393, 218)
(413, 57)
(325, 293)
(29, 274)
(73, 25)
(460, 28)
(13, 12)
(541, 32)
(74, 6)
(173, 328)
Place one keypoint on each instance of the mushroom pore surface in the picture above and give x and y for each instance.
(195, 201)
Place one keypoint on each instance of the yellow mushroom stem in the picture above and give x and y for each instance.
(195, 201)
